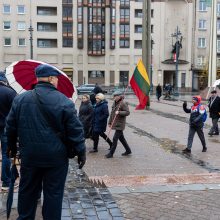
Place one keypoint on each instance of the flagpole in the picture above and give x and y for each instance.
(213, 46)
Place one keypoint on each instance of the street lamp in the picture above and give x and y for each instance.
(31, 29)
(176, 52)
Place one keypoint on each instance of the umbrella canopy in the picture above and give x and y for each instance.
(14, 176)
(21, 77)
(216, 83)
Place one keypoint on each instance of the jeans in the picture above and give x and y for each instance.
(119, 136)
(192, 131)
(6, 162)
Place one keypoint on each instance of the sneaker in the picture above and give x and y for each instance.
(109, 155)
(93, 151)
(210, 134)
(186, 151)
(126, 153)
(204, 149)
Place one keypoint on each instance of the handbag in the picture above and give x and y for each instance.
(71, 152)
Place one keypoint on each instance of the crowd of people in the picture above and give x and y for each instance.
(28, 119)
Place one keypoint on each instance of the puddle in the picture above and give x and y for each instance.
(175, 148)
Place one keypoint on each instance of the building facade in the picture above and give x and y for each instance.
(100, 41)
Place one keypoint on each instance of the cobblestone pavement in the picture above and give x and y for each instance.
(156, 182)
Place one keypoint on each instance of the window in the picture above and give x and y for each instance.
(7, 25)
(138, 13)
(46, 43)
(200, 60)
(218, 8)
(202, 5)
(183, 80)
(138, 28)
(138, 0)
(138, 44)
(152, 13)
(67, 12)
(218, 46)
(21, 25)
(201, 42)
(49, 27)
(125, 3)
(21, 42)
(152, 28)
(68, 29)
(96, 74)
(124, 43)
(49, 11)
(124, 30)
(6, 9)
(202, 24)
(67, 1)
(218, 25)
(7, 42)
(67, 42)
(20, 9)
(124, 15)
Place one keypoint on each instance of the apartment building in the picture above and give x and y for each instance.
(98, 40)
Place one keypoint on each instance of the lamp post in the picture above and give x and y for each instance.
(31, 29)
(151, 66)
(176, 51)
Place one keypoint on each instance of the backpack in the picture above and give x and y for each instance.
(204, 115)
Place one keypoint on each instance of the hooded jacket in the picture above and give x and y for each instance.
(196, 113)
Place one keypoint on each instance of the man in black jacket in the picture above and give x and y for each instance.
(214, 110)
(7, 95)
(44, 160)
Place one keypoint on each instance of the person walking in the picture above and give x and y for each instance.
(158, 92)
(195, 123)
(86, 115)
(100, 118)
(7, 95)
(93, 94)
(117, 122)
(214, 112)
(44, 159)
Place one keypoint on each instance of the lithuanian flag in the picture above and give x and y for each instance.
(140, 84)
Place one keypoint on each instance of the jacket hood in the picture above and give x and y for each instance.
(198, 99)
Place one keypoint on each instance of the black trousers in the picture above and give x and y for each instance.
(33, 179)
(95, 138)
(214, 127)
(192, 131)
(119, 135)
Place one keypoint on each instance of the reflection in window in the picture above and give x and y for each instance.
(96, 74)
(80, 24)
(112, 23)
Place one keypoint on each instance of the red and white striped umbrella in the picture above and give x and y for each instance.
(21, 77)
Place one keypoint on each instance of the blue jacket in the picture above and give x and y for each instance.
(101, 114)
(7, 95)
(39, 145)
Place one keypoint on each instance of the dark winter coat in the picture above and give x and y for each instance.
(214, 107)
(196, 113)
(158, 90)
(39, 145)
(120, 120)
(100, 117)
(7, 95)
(86, 116)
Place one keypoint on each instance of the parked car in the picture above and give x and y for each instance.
(85, 88)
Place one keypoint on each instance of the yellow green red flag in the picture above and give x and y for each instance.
(140, 84)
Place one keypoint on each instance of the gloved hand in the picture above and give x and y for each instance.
(82, 159)
(184, 103)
